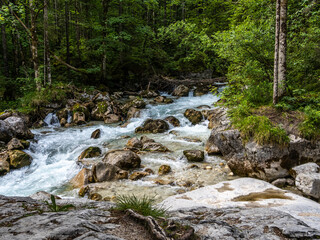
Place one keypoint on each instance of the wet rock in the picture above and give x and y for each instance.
(181, 91)
(309, 184)
(153, 126)
(95, 197)
(154, 147)
(173, 121)
(194, 155)
(111, 118)
(148, 94)
(124, 159)
(133, 113)
(79, 118)
(136, 103)
(149, 170)
(163, 182)
(99, 110)
(164, 169)
(104, 172)
(4, 167)
(14, 127)
(193, 116)
(5, 131)
(96, 134)
(304, 168)
(122, 175)
(90, 152)
(145, 139)
(80, 112)
(201, 90)
(63, 113)
(211, 148)
(63, 122)
(15, 144)
(83, 191)
(84, 177)
(163, 99)
(134, 143)
(19, 159)
(138, 175)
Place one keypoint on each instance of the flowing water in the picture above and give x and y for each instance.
(55, 151)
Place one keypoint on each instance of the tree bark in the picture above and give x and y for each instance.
(5, 50)
(276, 54)
(47, 67)
(67, 30)
(105, 5)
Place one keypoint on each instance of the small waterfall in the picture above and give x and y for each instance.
(51, 120)
(69, 120)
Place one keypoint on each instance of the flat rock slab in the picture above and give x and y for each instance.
(246, 208)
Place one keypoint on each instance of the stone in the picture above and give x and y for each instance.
(101, 97)
(63, 113)
(163, 99)
(104, 172)
(63, 122)
(96, 134)
(80, 113)
(245, 208)
(122, 174)
(79, 118)
(201, 90)
(145, 139)
(19, 159)
(154, 147)
(14, 127)
(124, 159)
(6, 132)
(193, 116)
(153, 126)
(95, 197)
(194, 155)
(90, 152)
(4, 167)
(5, 115)
(211, 148)
(138, 175)
(148, 94)
(181, 91)
(111, 118)
(83, 191)
(15, 144)
(149, 170)
(134, 143)
(173, 121)
(164, 169)
(309, 184)
(133, 113)
(304, 168)
(136, 103)
(84, 177)
(99, 110)
(280, 182)
(43, 196)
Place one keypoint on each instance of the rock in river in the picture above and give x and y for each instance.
(194, 155)
(153, 126)
(19, 159)
(124, 159)
(90, 152)
(193, 116)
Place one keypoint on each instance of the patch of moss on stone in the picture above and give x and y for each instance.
(267, 194)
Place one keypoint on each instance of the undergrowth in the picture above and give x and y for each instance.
(145, 205)
(57, 208)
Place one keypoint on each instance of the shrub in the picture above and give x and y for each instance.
(310, 127)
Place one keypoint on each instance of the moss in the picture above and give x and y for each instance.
(267, 194)
(102, 107)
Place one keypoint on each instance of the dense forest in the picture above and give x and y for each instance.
(109, 44)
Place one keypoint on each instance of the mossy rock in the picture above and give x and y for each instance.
(102, 107)
(164, 169)
(90, 152)
(19, 159)
(80, 108)
(193, 116)
(194, 155)
(4, 167)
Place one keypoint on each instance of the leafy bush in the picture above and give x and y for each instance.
(144, 205)
(310, 127)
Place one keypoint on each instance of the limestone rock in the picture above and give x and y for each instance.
(138, 175)
(163, 99)
(133, 113)
(145, 139)
(309, 184)
(181, 91)
(154, 147)
(14, 127)
(96, 134)
(15, 144)
(104, 172)
(90, 152)
(111, 118)
(148, 94)
(194, 155)
(304, 168)
(164, 169)
(153, 126)
(84, 177)
(99, 110)
(193, 116)
(173, 120)
(134, 143)
(79, 118)
(19, 159)
(4, 167)
(124, 159)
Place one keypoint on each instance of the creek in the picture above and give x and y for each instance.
(55, 151)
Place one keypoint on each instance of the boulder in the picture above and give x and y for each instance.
(134, 143)
(154, 147)
(96, 134)
(136, 103)
(163, 99)
(153, 126)
(79, 118)
(138, 175)
(99, 110)
(201, 90)
(63, 113)
(90, 152)
(193, 116)
(181, 91)
(15, 144)
(148, 94)
(124, 159)
(133, 113)
(173, 121)
(83, 178)
(63, 122)
(19, 159)
(5, 115)
(211, 148)
(82, 111)
(4, 167)
(194, 155)
(5, 131)
(304, 168)
(101, 97)
(42, 196)
(309, 184)
(111, 118)
(145, 139)
(14, 127)
(164, 169)
(102, 172)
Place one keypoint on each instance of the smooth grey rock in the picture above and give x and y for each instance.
(304, 168)
(19, 128)
(309, 184)
(104, 172)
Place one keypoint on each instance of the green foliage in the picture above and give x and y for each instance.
(310, 127)
(56, 208)
(144, 205)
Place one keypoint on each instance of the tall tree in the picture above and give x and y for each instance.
(280, 64)
(47, 64)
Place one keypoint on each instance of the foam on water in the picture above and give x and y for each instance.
(55, 150)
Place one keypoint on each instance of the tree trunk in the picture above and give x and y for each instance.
(47, 67)
(105, 5)
(67, 30)
(5, 50)
(280, 68)
(276, 54)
